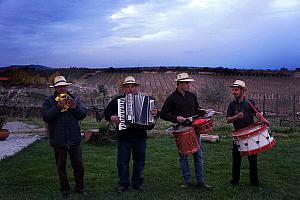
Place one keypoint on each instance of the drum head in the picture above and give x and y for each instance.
(179, 130)
(253, 129)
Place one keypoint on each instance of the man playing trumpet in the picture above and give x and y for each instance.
(62, 112)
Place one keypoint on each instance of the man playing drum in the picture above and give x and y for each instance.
(130, 141)
(241, 114)
(179, 106)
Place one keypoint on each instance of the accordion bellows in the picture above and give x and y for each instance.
(135, 109)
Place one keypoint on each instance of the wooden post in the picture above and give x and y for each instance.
(276, 104)
(294, 113)
(264, 104)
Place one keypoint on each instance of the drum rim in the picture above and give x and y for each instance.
(185, 129)
(238, 136)
(207, 121)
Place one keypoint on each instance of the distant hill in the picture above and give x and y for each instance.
(34, 67)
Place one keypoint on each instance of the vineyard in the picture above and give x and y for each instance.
(278, 96)
(279, 93)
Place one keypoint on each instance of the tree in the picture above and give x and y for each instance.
(214, 94)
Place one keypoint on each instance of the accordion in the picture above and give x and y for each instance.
(134, 110)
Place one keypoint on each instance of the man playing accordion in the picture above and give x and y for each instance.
(131, 139)
(178, 107)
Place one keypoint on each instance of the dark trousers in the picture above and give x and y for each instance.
(136, 147)
(236, 166)
(77, 165)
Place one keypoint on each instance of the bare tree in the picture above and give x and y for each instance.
(214, 94)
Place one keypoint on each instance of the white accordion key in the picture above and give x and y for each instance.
(121, 113)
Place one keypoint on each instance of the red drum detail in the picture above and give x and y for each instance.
(186, 140)
(203, 126)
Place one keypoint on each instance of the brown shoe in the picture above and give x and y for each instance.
(204, 186)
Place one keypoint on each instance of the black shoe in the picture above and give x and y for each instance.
(140, 188)
(122, 188)
(204, 186)
(83, 194)
(233, 183)
(185, 185)
(257, 186)
(64, 195)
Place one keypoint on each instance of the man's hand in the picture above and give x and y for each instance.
(154, 112)
(72, 103)
(114, 119)
(261, 117)
(60, 105)
(180, 119)
(240, 115)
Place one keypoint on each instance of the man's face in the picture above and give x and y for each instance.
(129, 88)
(61, 89)
(237, 92)
(184, 86)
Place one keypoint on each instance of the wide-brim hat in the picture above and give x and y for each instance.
(130, 80)
(59, 81)
(183, 77)
(239, 83)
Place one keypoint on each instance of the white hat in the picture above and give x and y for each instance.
(183, 77)
(239, 83)
(59, 81)
(130, 80)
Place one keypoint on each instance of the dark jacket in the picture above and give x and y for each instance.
(63, 127)
(178, 104)
(129, 133)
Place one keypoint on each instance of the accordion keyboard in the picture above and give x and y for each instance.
(135, 109)
(122, 114)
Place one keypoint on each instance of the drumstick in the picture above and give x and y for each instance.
(259, 115)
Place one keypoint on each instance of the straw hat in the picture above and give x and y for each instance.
(183, 77)
(239, 83)
(59, 81)
(130, 80)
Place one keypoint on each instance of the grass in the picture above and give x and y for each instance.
(31, 174)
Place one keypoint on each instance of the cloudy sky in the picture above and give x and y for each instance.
(255, 34)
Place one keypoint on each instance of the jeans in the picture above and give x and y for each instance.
(185, 169)
(77, 165)
(136, 147)
(236, 166)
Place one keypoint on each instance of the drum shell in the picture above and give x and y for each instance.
(187, 141)
(253, 139)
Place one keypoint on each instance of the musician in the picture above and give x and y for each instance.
(62, 112)
(241, 115)
(179, 106)
(130, 141)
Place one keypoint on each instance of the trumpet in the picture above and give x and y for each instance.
(66, 99)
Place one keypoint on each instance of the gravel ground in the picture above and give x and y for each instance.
(22, 135)
(15, 143)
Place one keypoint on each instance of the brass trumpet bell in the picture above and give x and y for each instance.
(65, 98)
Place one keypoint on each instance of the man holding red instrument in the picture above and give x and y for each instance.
(241, 114)
(178, 107)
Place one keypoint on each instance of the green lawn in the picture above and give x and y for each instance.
(31, 174)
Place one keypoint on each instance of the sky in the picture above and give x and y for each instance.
(247, 34)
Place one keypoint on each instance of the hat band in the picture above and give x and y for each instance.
(235, 85)
(182, 79)
(60, 82)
